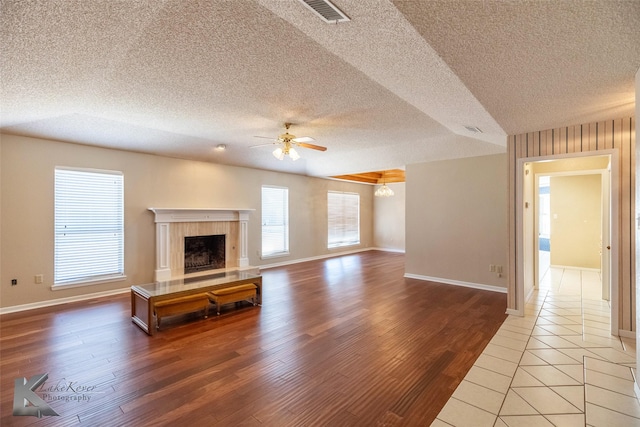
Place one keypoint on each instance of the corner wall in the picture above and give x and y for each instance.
(457, 221)
(389, 219)
(26, 201)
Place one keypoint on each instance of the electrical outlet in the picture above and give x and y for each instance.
(14, 282)
(499, 269)
(38, 278)
(492, 268)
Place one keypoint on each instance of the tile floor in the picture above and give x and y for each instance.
(556, 366)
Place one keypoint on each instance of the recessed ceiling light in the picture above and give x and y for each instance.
(221, 147)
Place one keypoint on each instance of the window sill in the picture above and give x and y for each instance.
(347, 245)
(88, 282)
(278, 255)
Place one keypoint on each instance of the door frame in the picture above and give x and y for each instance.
(525, 259)
(605, 223)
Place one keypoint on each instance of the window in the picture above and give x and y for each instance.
(344, 219)
(275, 221)
(89, 226)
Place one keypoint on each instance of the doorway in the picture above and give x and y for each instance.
(597, 248)
(569, 210)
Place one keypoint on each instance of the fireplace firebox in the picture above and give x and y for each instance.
(204, 253)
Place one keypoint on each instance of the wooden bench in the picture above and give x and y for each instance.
(181, 305)
(233, 294)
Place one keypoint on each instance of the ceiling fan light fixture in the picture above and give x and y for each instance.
(293, 154)
(287, 142)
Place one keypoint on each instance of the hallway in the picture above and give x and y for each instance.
(557, 366)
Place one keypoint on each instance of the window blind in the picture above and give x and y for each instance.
(275, 221)
(343, 218)
(89, 226)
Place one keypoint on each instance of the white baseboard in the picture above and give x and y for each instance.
(315, 258)
(58, 301)
(626, 334)
(528, 296)
(398, 251)
(457, 283)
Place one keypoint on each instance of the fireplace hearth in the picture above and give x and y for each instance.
(204, 253)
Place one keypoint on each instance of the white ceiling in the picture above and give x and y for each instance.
(395, 85)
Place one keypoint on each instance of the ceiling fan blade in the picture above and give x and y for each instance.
(264, 145)
(312, 146)
(303, 139)
(265, 137)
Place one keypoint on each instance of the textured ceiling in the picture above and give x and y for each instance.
(395, 85)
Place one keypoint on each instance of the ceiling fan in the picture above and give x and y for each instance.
(288, 142)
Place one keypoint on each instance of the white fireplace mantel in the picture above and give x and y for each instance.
(165, 216)
(200, 214)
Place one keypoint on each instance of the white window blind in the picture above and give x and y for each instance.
(343, 218)
(275, 221)
(89, 226)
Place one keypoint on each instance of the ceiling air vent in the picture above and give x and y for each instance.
(473, 129)
(326, 10)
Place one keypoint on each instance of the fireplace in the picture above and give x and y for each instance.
(204, 253)
(174, 224)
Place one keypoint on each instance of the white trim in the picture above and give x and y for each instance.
(90, 170)
(457, 283)
(512, 312)
(165, 216)
(100, 281)
(199, 214)
(49, 303)
(275, 255)
(615, 230)
(530, 294)
(398, 251)
(626, 334)
(314, 258)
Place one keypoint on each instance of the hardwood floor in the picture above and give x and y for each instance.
(346, 341)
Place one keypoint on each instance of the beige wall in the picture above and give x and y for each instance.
(576, 221)
(456, 220)
(26, 200)
(389, 219)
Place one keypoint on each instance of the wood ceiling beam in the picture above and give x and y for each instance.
(376, 177)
